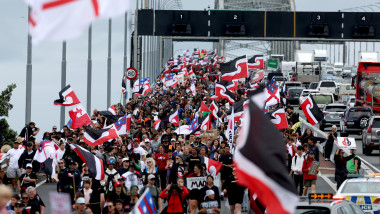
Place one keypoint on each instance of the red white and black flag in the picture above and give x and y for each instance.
(221, 92)
(123, 86)
(95, 137)
(311, 110)
(238, 109)
(112, 109)
(234, 69)
(95, 165)
(278, 118)
(265, 174)
(67, 97)
(216, 113)
(174, 118)
(79, 117)
(256, 62)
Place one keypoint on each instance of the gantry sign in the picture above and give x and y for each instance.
(262, 25)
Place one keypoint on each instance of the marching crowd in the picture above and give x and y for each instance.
(153, 157)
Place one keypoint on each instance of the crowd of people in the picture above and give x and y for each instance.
(160, 160)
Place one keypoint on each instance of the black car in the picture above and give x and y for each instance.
(294, 94)
(332, 114)
(354, 120)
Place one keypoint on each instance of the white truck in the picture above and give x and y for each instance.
(338, 68)
(320, 55)
(366, 56)
(288, 68)
(307, 70)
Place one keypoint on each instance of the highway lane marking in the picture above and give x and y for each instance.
(328, 181)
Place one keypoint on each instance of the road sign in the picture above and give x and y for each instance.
(131, 73)
(145, 22)
(273, 63)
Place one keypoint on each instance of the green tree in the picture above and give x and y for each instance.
(6, 133)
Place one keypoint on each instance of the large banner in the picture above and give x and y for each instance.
(346, 143)
(200, 182)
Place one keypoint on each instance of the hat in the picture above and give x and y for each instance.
(131, 164)
(151, 177)
(309, 152)
(125, 159)
(110, 162)
(84, 164)
(147, 140)
(209, 192)
(81, 200)
(20, 139)
(72, 162)
(29, 165)
(117, 184)
(172, 140)
(136, 139)
(19, 203)
(29, 144)
(180, 156)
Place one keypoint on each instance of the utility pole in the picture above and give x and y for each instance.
(109, 63)
(89, 71)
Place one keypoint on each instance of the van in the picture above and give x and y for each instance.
(345, 90)
(323, 98)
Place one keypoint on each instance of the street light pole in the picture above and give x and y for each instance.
(63, 81)
(109, 63)
(89, 70)
(28, 97)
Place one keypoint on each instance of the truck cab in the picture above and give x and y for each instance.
(367, 84)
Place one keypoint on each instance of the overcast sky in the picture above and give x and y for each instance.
(47, 60)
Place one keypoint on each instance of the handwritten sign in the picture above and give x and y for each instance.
(60, 203)
(200, 182)
(346, 142)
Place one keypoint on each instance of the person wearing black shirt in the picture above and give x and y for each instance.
(178, 170)
(193, 160)
(66, 183)
(234, 191)
(330, 142)
(341, 166)
(26, 157)
(226, 159)
(29, 130)
(29, 178)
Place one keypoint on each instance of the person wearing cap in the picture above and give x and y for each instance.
(137, 149)
(68, 184)
(26, 157)
(27, 179)
(313, 148)
(178, 170)
(309, 180)
(297, 163)
(110, 176)
(124, 167)
(18, 208)
(29, 130)
(130, 177)
(118, 194)
(154, 191)
(210, 204)
(148, 148)
(80, 207)
(13, 155)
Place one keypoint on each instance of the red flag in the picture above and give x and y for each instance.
(278, 118)
(204, 108)
(67, 97)
(213, 167)
(79, 117)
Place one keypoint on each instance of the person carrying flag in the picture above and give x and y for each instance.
(70, 180)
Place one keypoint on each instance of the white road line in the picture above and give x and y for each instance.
(328, 181)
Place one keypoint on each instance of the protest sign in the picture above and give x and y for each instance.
(346, 143)
(60, 203)
(200, 182)
(208, 134)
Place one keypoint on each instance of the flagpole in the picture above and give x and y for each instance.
(28, 97)
(109, 63)
(63, 81)
(74, 186)
(89, 70)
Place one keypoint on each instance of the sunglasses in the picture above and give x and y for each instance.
(60, 163)
(23, 198)
(18, 206)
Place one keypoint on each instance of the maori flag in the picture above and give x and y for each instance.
(67, 97)
(95, 165)
(256, 62)
(234, 69)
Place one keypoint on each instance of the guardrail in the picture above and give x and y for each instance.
(318, 133)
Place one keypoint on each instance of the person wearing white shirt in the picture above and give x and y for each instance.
(137, 149)
(60, 151)
(131, 178)
(12, 163)
(297, 163)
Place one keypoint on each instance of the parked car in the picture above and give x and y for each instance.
(306, 93)
(370, 139)
(354, 120)
(294, 94)
(332, 114)
(323, 98)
